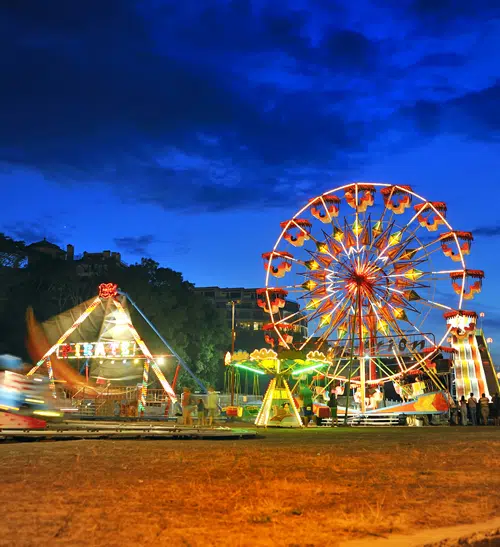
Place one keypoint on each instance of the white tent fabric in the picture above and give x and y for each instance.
(104, 324)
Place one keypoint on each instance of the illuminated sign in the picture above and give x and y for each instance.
(102, 350)
(386, 346)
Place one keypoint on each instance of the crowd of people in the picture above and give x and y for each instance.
(476, 411)
(206, 410)
(471, 411)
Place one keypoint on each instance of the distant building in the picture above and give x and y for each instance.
(249, 317)
(44, 248)
(87, 264)
(97, 263)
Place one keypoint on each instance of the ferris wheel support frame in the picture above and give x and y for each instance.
(368, 261)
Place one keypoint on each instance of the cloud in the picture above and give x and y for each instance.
(487, 231)
(135, 245)
(140, 246)
(207, 107)
(439, 60)
(452, 10)
(30, 232)
(474, 115)
(351, 51)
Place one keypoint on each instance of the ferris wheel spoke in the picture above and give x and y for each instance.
(357, 215)
(339, 233)
(386, 208)
(393, 325)
(434, 304)
(421, 274)
(395, 249)
(300, 317)
(398, 248)
(336, 320)
(335, 365)
(287, 319)
(322, 248)
(384, 369)
(398, 299)
(400, 333)
(321, 326)
(422, 252)
(389, 325)
(410, 222)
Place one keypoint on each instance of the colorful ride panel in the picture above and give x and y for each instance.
(473, 374)
(469, 372)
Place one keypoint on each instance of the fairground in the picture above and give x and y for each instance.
(320, 486)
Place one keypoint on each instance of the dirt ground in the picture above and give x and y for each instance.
(287, 488)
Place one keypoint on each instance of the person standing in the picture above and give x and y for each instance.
(200, 409)
(472, 403)
(453, 412)
(212, 400)
(186, 407)
(496, 409)
(333, 405)
(463, 411)
(484, 407)
(306, 395)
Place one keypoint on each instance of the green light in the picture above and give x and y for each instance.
(256, 370)
(314, 367)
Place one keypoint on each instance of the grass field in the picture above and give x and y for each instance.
(290, 488)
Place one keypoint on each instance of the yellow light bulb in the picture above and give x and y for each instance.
(312, 304)
(357, 227)
(338, 234)
(325, 320)
(311, 265)
(309, 285)
(395, 238)
(322, 247)
(413, 274)
(377, 228)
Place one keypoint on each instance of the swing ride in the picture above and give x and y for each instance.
(373, 266)
(98, 337)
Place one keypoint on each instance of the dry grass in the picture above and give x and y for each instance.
(289, 488)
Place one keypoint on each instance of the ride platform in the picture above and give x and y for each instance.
(9, 420)
(120, 430)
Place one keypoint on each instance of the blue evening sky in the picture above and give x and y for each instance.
(187, 130)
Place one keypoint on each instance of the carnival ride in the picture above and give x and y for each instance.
(118, 347)
(368, 263)
(24, 402)
(472, 363)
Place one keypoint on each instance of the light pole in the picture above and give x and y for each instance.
(233, 303)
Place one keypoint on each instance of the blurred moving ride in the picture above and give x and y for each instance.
(22, 395)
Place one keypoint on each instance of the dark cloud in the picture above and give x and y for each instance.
(30, 232)
(350, 51)
(437, 17)
(135, 245)
(427, 116)
(140, 245)
(487, 231)
(205, 107)
(449, 10)
(474, 115)
(440, 60)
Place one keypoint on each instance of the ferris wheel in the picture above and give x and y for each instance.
(373, 266)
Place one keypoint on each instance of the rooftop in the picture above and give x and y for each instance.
(44, 244)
